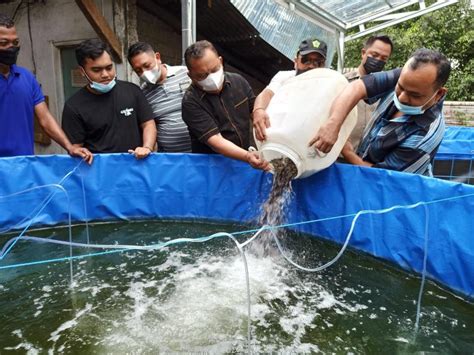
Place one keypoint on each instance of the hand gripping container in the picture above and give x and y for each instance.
(296, 112)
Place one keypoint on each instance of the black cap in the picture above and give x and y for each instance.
(313, 45)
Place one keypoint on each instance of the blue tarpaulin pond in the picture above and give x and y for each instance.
(175, 186)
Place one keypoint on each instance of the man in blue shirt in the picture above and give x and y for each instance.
(20, 98)
(409, 122)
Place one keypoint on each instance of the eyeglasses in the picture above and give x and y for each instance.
(316, 62)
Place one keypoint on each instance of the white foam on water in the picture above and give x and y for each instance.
(199, 305)
(40, 301)
(203, 307)
(189, 304)
(23, 345)
(206, 310)
(95, 289)
(70, 323)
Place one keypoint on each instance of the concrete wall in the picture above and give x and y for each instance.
(164, 38)
(459, 113)
(57, 23)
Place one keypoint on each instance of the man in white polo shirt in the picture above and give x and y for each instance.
(311, 54)
(164, 87)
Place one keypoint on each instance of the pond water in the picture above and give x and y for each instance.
(193, 297)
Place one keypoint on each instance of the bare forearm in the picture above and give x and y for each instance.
(263, 99)
(345, 102)
(225, 147)
(58, 135)
(51, 127)
(149, 134)
(260, 118)
(354, 159)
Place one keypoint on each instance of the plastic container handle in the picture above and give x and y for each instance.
(315, 152)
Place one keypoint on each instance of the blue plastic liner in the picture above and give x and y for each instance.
(213, 187)
(458, 143)
(459, 132)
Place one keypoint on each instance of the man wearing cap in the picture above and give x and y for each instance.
(375, 53)
(311, 55)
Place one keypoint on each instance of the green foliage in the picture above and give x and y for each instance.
(449, 30)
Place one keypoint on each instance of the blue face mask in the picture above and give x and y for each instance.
(410, 110)
(103, 88)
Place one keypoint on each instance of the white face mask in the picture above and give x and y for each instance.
(152, 76)
(213, 82)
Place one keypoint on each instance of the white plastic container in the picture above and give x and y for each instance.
(296, 112)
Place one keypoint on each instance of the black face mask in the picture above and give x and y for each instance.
(373, 65)
(9, 56)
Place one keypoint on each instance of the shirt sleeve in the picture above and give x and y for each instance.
(380, 84)
(407, 156)
(250, 95)
(72, 125)
(279, 79)
(405, 159)
(145, 113)
(200, 122)
(36, 92)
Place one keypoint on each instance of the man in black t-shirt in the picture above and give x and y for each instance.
(217, 107)
(107, 115)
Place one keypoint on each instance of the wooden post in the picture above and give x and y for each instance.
(101, 27)
(40, 135)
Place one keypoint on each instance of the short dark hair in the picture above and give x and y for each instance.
(92, 49)
(196, 51)
(379, 37)
(137, 48)
(425, 56)
(6, 21)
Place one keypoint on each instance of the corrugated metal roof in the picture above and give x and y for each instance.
(238, 40)
(283, 28)
(235, 38)
(353, 11)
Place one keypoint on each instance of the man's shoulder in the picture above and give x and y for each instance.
(176, 69)
(282, 77)
(236, 81)
(192, 93)
(235, 77)
(78, 97)
(385, 76)
(23, 72)
(351, 73)
(127, 85)
(279, 79)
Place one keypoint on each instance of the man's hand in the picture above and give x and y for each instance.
(326, 137)
(257, 162)
(351, 157)
(140, 152)
(81, 152)
(261, 122)
(347, 150)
